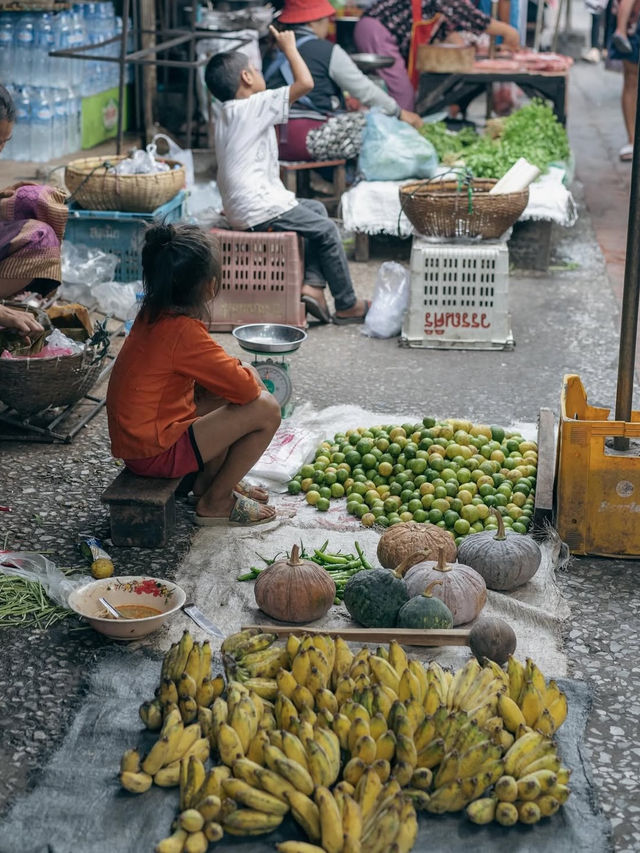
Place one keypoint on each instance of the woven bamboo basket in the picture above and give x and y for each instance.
(31, 385)
(443, 208)
(93, 188)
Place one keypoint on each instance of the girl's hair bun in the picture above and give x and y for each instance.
(158, 236)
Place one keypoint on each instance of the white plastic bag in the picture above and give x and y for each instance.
(390, 301)
(181, 155)
(392, 150)
(117, 298)
(35, 567)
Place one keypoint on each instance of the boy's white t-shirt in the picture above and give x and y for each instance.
(247, 155)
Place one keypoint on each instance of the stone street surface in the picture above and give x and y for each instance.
(563, 321)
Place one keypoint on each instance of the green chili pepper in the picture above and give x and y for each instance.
(365, 563)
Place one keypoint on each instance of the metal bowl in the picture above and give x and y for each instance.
(372, 61)
(269, 337)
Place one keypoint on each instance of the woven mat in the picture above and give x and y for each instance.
(77, 805)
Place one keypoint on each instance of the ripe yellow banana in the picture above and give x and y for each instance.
(234, 641)
(191, 820)
(169, 776)
(498, 672)
(168, 693)
(326, 700)
(431, 755)
(448, 770)
(331, 745)
(351, 818)
(516, 673)
(482, 811)
(253, 798)
(250, 822)
(212, 785)
(188, 709)
(130, 761)
(402, 772)
(196, 843)
(173, 844)
(300, 667)
(353, 770)
(548, 805)
(292, 645)
(136, 783)
(359, 728)
(247, 770)
(382, 768)
(408, 686)
(558, 710)
(292, 772)
(192, 666)
(365, 748)
(448, 798)
(528, 812)
(528, 788)
(252, 645)
(422, 779)
(531, 703)
(341, 727)
(302, 698)
(367, 792)
(545, 723)
(151, 714)
(306, 813)
(184, 650)
(506, 789)
(213, 831)
(546, 779)
(384, 673)
(168, 661)
(209, 807)
(522, 747)
(195, 778)
(229, 745)
(510, 713)
(406, 835)
(506, 814)
(273, 783)
(533, 674)
(320, 766)
(406, 750)
(298, 847)
(256, 747)
(343, 660)
(386, 746)
(330, 820)
(415, 713)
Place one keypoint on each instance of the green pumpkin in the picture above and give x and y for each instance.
(374, 598)
(425, 611)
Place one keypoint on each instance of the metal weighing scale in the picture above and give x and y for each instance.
(266, 340)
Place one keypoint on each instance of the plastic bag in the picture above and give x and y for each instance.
(390, 301)
(80, 264)
(117, 298)
(35, 567)
(392, 150)
(181, 155)
(140, 163)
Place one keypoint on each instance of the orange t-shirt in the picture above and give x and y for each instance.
(150, 397)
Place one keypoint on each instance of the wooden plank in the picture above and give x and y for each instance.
(362, 247)
(408, 636)
(545, 476)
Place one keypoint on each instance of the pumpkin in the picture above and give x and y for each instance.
(408, 537)
(504, 559)
(425, 611)
(373, 598)
(492, 638)
(463, 590)
(294, 590)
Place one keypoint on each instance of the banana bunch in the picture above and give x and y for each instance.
(185, 682)
(251, 657)
(534, 784)
(532, 701)
(161, 765)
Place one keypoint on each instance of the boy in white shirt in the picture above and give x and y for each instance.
(253, 195)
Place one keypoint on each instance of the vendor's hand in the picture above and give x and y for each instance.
(411, 118)
(22, 321)
(285, 39)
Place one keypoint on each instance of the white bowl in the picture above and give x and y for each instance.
(162, 595)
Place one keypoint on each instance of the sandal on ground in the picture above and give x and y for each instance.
(242, 488)
(315, 308)
(621, 43)
(355, 318)
(245, 513)
(626, 152)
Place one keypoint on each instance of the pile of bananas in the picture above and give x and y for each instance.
(185, 682)
(351, 744)
(177, 743)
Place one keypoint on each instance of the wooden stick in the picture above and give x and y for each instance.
(408, 636)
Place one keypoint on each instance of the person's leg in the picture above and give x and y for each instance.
(629, 97)
(207, 402)
(620, 39)
(11, 286)
(309, 219)
(244, 433)
(370, 36)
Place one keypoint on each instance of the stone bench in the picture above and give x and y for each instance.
(142, 509)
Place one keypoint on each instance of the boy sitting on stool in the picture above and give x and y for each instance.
(253, 195)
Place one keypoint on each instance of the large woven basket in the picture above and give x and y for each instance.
(444, 208)
(31, 385)
(94, 188)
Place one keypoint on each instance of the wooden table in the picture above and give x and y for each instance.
(437, 90)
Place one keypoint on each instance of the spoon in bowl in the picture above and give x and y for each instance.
(112, 610)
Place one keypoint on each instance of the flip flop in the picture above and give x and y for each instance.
(315, 308)
(621, 43)
(357, 318)
(244, 514)
(626, 152)
(242, 488)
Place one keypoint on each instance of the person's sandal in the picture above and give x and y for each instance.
(242, 488)
(626, 152)
(245, 512)
(621, 43)
(355, 318)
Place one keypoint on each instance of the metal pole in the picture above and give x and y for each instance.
(630, 296)
(122, 68)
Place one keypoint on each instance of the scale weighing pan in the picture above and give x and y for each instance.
(269, 337)
(371, 61)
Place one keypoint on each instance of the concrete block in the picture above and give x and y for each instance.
(142, 509)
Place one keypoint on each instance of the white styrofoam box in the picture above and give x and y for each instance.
(459, 296)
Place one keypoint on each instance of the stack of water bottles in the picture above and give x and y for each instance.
(48, 90)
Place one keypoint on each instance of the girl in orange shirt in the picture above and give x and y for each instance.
(156, 424)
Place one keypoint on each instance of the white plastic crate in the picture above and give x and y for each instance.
(459, 296)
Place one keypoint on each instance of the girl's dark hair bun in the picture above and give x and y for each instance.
(159, 236)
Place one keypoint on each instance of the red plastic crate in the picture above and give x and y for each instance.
(261, 279)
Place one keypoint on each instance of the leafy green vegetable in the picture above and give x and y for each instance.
(532, 132)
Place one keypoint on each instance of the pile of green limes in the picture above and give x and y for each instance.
(448, 473)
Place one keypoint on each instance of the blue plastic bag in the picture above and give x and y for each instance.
(392, 150)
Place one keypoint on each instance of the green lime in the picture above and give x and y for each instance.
(519, 527)
(462, 527)
(325, 492)
(418, 466)
(307, 471)
(369, 461)
(342, 475)
(352, 458)
(442, 504)
(394, 449)
(313, 497)
(463, 475)
(497, 433)
(294, 487)
(364, 446)
(337, 490)
(351, 507)
(427, 501)
(470, 513)
(414, 505)
(329, 478)
(450, 517)
(435, 515)
(322, 504)
(440, 492)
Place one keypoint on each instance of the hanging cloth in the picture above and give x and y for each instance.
(422, 32)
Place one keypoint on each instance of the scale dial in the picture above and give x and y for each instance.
(276, 379)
